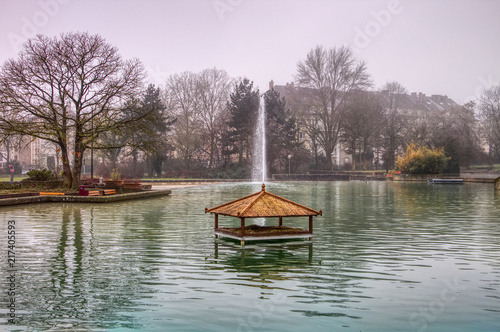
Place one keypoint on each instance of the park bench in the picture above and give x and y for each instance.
(93, 192)
(50, 193)
(109, 191)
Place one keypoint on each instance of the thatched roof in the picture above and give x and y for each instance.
(263, 204)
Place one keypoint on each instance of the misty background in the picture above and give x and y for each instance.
(436, 47)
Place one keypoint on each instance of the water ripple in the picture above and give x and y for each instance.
(381, 252)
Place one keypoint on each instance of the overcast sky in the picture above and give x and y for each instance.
(448, 47)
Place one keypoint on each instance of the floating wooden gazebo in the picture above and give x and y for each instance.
(263, 204)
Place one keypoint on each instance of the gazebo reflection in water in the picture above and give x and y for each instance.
(268, 261)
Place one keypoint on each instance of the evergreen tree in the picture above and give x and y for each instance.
(281, 131)
(150, 134)
(244, 108)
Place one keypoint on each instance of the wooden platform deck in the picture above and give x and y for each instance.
(262, 233)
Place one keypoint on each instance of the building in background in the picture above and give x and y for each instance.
(29, 153)
(416, 107)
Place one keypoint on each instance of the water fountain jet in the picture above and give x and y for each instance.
(259, 166)
(263, 204)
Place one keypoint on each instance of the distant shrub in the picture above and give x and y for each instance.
(115, 175)
(232, 171)
(422, 160)
(39, 174)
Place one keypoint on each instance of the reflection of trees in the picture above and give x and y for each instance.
(442, 212)
(88, 280)
(422, 201)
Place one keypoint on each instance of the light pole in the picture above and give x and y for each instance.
(289, 157)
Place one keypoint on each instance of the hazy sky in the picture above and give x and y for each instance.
(447, 47)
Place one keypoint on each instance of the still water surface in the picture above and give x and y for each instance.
(385, 257)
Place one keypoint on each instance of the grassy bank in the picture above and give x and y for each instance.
(4, 178)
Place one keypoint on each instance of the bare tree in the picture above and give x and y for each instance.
(213, 89)
(362, 124)
(68, 90)
(394, 121)
(180, 93)
(114, 141)
(9, 142)
(332, 75)
(301, 102)
(455, 129)
(489, 107)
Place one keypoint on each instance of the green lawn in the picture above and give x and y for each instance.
(172, 179)
(495, 166)
(16, 178)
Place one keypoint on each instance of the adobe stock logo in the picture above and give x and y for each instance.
(485, 83)
(224, 6)
(31, 27)
(256, 318)
(157, 74)
(429, 313)
(381, 19)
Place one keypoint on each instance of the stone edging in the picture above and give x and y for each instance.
(83, 199)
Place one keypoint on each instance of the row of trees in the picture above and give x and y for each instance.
(386, 129)
(336, 105)
(376, 129)
(76, 92)
(216, 119)
(489, 117)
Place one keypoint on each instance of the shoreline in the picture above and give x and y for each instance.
(158, 189)
(162, 188)
(83, 199)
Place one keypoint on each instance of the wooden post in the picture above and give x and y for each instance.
(242, 226)
(216, 224)
(310, 224)
(281, 221)
(497, 183)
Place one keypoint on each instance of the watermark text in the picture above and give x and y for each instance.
(429, 313)
(11, 271)
(31, 26)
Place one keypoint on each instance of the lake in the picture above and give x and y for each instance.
(384, 257)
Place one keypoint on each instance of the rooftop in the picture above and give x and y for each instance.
(263, 204)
